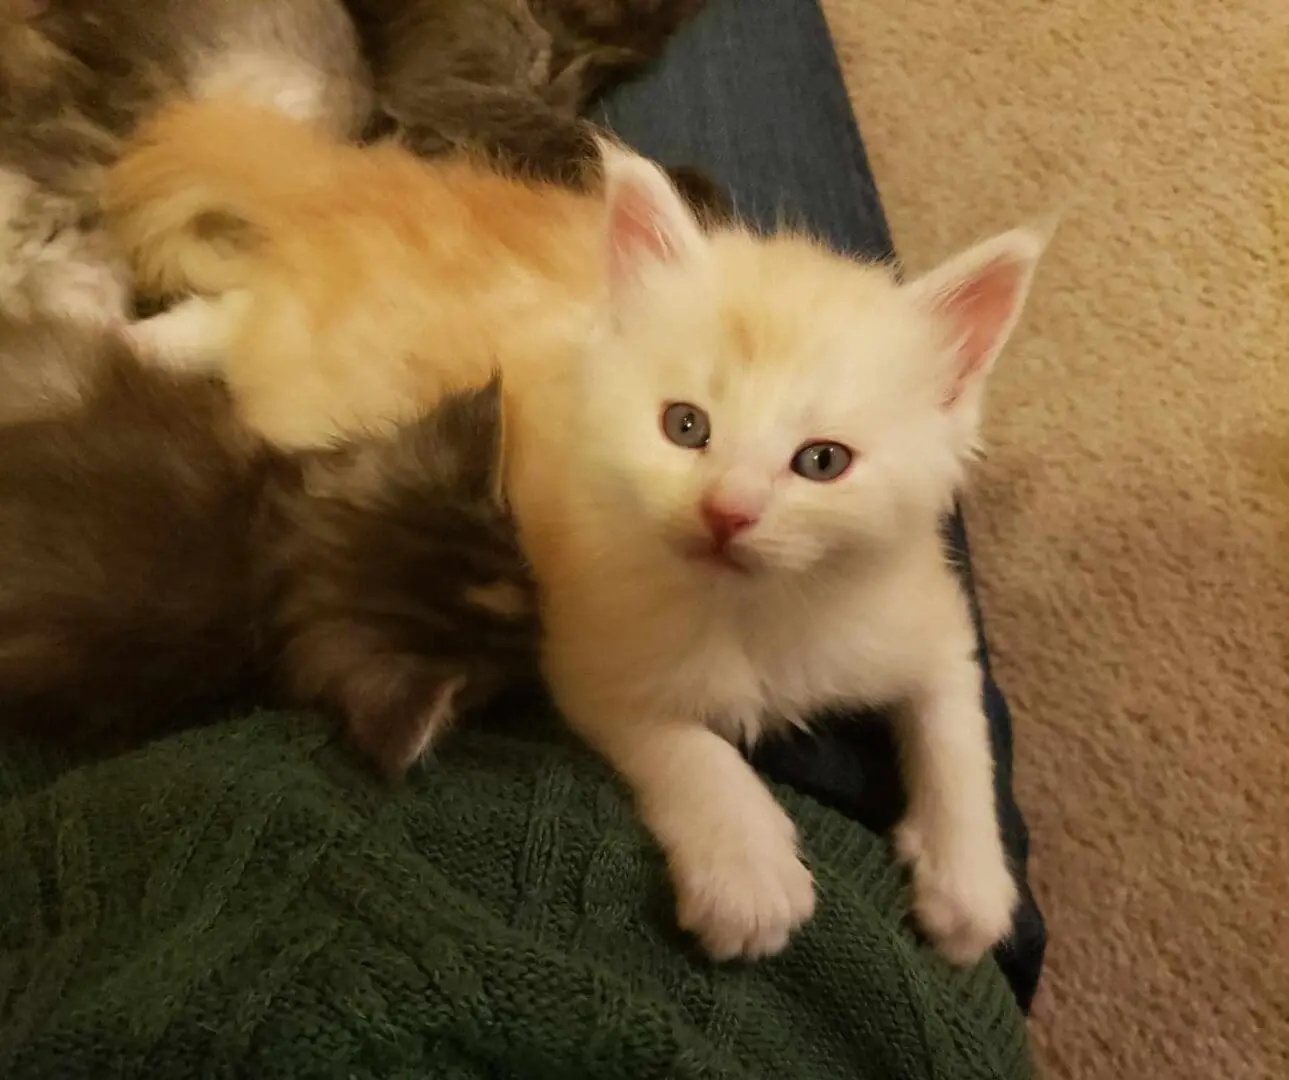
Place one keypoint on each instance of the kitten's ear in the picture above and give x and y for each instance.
(471, 420)
(492, 405)
(648, 221)
(978, 295)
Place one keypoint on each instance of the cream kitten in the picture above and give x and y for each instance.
(735, 518)
(729, 456)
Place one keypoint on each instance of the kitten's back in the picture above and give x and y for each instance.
(378, 281)
(128, 508)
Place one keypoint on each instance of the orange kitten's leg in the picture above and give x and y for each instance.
(731, 848)
(194, 335)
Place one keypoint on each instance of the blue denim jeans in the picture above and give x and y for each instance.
(751, 92)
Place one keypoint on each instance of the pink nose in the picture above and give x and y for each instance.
(725, 522)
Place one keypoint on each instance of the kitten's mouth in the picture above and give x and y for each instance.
(726, 559)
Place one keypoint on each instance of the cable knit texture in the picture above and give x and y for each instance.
(245, 901)
(1130, 526)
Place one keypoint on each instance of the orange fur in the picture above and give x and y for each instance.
(372, 281)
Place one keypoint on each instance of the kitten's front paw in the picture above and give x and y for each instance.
(963, 894)
(743, 890)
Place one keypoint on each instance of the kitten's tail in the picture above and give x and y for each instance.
(202, 189)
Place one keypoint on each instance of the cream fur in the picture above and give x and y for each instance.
(375, 281)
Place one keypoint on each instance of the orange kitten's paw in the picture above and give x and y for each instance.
(963, 894)
(193, 336)
(743, 893)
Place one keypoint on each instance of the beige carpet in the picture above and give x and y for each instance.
(1131, 522)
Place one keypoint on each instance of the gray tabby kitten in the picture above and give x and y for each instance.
(160, 564)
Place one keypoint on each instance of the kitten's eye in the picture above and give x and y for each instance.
(821, 461)
(686, 425)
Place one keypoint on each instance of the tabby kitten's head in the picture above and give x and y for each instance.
(404, 599)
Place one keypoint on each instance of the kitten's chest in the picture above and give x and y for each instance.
(757, 665)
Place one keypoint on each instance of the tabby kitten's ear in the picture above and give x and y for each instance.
(468, 424)
(978, 296)
(648, 222)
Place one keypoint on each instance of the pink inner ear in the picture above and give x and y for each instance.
(980, 310)
(637, 231)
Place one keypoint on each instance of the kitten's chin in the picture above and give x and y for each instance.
(765, 560)
(701, 554)
(718, 562)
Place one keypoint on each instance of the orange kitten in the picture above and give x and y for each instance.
(342, 285)
(729, 456)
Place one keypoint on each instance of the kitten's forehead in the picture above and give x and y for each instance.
(783, 341)
(789, 295)
(799, 332)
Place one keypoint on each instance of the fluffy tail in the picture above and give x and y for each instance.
(195, 197)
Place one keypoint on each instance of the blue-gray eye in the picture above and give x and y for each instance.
(821, 461)
(686, 425)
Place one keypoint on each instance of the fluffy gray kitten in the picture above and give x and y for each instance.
(159, 563)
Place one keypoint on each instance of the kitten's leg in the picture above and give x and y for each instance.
(963, 892)
(194, 335)
(731, 848)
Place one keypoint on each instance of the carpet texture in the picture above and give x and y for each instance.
(1131, 523)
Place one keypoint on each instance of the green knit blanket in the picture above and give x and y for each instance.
(245, 901)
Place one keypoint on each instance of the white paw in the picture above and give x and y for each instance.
(193, 336)
(963, 893)
(742, 890)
